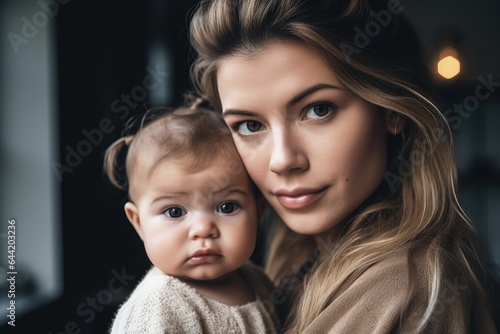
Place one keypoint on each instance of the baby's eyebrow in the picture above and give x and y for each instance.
(168, 196)
(229, 189)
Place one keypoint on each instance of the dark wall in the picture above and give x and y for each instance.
(102, 59)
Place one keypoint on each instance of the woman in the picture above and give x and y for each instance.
(328, 108)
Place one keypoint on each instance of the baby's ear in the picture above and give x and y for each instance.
(133, 217)
(394, 121)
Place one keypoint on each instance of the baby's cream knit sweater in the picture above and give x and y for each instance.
(164, 304)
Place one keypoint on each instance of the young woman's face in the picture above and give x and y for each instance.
(315, 149)
(196, 225)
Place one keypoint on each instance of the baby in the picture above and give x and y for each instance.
(197, 213)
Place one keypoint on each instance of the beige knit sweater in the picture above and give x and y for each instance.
(374, 302)
(164, 304)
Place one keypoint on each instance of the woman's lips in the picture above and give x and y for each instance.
(299, 198)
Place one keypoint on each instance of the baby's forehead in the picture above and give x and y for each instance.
(221, 167)
(215, 179)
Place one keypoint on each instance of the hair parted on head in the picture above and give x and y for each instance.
(116, 154)
(188, 130)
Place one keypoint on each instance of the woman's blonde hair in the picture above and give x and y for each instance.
(193, 133)
(375, 53)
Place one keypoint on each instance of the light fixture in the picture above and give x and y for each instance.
(448, 64)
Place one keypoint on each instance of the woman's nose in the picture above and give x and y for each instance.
(204, 226)
(287, 153)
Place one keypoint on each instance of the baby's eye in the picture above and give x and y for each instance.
(174, 212)
(228, 207)
(319, 111)
(247, 128)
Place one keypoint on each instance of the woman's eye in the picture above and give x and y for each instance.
(319, 111)
(228, 207)
(247, 128)
(175, 212)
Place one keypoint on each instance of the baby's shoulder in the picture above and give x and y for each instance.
(159, 303)
(156, 292)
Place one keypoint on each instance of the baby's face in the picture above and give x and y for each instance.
(196, 225)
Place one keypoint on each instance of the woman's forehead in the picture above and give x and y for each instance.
(279, 71)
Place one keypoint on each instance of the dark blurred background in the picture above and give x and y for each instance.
(71, 71)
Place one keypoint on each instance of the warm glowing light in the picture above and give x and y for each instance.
(448, 65)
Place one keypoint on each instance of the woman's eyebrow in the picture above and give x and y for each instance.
(237, 112)
(297, 98)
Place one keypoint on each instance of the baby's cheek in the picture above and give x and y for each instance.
(244, 240)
